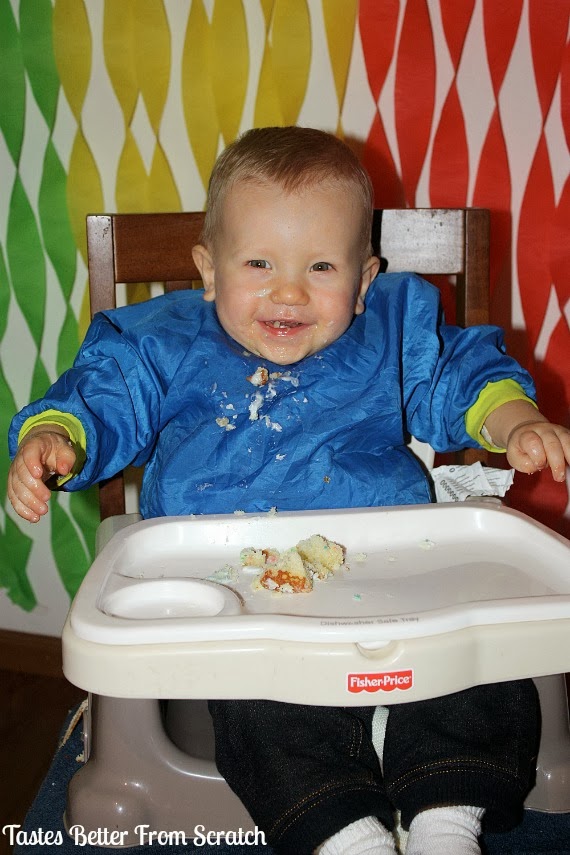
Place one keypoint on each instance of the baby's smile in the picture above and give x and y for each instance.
(283, 325)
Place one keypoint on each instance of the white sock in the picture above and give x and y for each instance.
(366, 836)
(446, 831)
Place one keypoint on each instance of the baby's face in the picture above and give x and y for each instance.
(286, 269)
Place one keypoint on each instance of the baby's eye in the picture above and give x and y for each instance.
(258, 262)
(321, 265)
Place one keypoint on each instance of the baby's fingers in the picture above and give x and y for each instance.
(47, 454)
(557, 449)
(546, 446)
(27, 494)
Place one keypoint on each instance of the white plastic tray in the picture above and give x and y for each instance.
(437, 598)
(410, 572)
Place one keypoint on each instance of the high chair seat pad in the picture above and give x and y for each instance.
(463, 583)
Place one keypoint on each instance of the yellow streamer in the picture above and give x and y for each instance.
(268, 112)
(197, 94)
(267, 9)
(229, 65)
(340, 23)
(84, 196)
(72, 49)
(291, 42)
(286, 70)
(152, 57)
(118, 48)
(132, 179)
(84, 191)
(162, 192)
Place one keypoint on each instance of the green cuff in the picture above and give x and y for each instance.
(492, 396)
(74, 429)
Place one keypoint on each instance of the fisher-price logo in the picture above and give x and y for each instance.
(385, 681)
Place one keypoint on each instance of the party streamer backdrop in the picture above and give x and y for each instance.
(123, 105)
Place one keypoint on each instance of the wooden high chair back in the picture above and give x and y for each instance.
(135, 248)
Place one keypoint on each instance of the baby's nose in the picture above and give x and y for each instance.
(289, 292)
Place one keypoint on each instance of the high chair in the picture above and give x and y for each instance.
(148, 737)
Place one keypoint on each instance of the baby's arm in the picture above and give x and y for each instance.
(531, 441)
(44, 451)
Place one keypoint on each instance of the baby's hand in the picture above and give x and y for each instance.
(42, 453)
(533, 446)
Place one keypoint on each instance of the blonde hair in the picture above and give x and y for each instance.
(294, 157)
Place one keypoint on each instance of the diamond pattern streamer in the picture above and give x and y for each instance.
(414, 94)
(36, 28)
(38, 222)
(560, 256)
(377, 157)
(493, 181)
(14, 545)
(513, 177)
(73, 47)
(449, 169)
(501, 22)
(113, 87)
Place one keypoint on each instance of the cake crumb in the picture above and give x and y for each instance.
(260, 376)
(255, 406)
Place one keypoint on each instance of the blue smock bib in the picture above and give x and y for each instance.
(160, 383)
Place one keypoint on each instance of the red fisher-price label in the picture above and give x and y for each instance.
(382, 681)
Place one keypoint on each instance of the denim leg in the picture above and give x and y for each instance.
(476, 747)
(303, 772)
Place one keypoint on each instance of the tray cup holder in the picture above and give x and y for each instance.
(171, 598)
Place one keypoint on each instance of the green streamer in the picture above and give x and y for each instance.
(26, 261)
(15, 549)
(7, 410)
(13, 88)
(54, 220)
(70, 556)
(4, 294)
(84, 507)
(68, 342)
(39, 59)
(40, 380)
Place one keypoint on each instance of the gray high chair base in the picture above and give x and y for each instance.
(146, 769)
(138, 777)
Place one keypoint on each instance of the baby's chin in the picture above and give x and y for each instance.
(279, 354)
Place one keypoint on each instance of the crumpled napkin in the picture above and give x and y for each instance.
(457, 483)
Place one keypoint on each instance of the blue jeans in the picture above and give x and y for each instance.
(305, 772)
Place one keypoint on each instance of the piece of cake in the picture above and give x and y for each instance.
(251, 557)
(320, 555)
(287, 576)
(292, 571)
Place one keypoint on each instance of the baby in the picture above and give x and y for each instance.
(355, 362)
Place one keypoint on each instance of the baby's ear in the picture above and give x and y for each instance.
(205, 264)
(370, 269)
